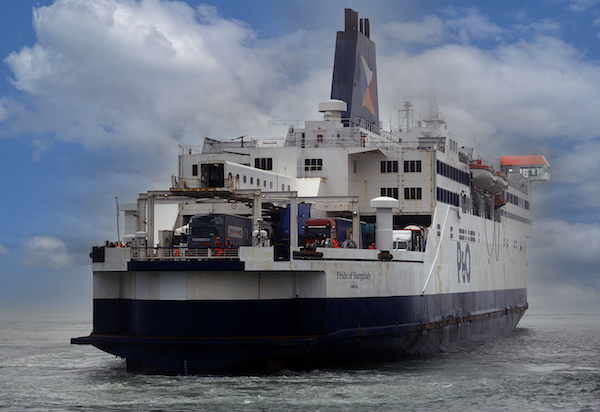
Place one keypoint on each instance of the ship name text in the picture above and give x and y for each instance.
(353, 276)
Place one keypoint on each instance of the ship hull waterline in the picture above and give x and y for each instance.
(168, 351)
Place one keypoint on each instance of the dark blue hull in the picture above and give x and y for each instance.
(196, 337)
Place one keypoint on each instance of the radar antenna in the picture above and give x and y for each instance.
(405, 115)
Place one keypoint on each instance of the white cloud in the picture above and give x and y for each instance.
(3, 250)
(536, 86)
(461, 26)
(151, 74)
(45, 252)
(469, 24)
(127, 74)
(458, 25)
(558, 241)
(39, 146)
(430, 30)
(544, 295)
(578, 172)
(4, 112)
(535, 89)
(579, 6)
(563, 265)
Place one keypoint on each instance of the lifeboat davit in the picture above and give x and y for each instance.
(486, 178)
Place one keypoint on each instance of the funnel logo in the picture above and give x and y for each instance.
(369, 96)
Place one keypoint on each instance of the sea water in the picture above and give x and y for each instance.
(550, 362)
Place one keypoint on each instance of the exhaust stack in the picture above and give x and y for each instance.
(355, 73)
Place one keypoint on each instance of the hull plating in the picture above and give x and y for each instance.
(265, 336)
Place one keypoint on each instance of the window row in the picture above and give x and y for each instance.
(446, 196)
(264, 163)
(510, 198)
(518, 218)
(453, 146)
(410, 193)
(413, 193)
(412, 166)
(389, 166)
(531, 171)
(516, 200)
(264, 182)
(313, 165)
(258, 182)
(452, 173)
(390, 192)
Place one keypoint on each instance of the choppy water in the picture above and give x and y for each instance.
(550, 362)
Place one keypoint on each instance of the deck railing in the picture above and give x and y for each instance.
(181, 253)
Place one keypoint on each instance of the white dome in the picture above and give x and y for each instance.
(384, 202)
(333, 106)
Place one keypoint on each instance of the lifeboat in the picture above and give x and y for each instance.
(501, 183)
(486, 178)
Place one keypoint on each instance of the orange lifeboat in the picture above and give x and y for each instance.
(486, 178)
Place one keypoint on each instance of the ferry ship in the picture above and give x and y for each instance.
(338, 244)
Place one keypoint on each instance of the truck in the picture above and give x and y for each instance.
(284, 229)
(325, 230)
(410, 239)
(203, 230)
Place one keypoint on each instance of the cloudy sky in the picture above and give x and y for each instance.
(96, 96)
